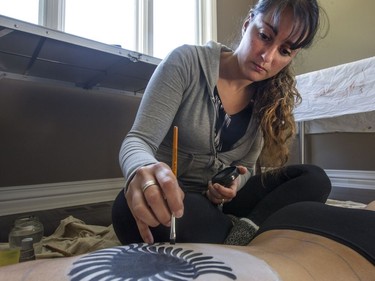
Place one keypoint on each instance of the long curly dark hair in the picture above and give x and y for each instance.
(276, 97)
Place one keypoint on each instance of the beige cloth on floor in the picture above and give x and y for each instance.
(74, 237)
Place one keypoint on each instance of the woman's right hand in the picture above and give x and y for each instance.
(153, 195)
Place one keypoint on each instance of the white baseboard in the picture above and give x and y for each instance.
(28, 198)
(352, 179)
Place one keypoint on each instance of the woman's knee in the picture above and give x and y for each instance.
(312, 178)
(319, 175)
(314, 172)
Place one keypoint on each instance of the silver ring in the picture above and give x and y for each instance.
(222, 202)
(148, 184)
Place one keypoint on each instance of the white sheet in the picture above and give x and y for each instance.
(336, 91)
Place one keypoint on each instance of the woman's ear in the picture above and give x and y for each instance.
(245, 25)
(249, 18)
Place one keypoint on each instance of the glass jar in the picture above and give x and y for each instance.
(25, 227)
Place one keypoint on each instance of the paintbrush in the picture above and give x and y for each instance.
(172, 236)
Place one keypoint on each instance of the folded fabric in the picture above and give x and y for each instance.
(74, 237)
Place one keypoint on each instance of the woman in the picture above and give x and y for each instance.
(232, 108)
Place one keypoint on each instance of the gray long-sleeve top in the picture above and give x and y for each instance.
(180, 93)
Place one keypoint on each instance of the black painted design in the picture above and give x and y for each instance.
(146, 262)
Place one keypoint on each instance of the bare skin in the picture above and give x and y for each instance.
(302, 256)
(292, 256)
(289, 255)
(371, 206)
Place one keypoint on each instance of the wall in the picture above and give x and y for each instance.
(350, 38)
(53, 134)
(230, 17)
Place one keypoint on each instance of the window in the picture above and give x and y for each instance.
(174, 23)
(26, 10)
(152, 27)
(111, 21)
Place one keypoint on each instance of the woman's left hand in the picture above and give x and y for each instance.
(219, 194)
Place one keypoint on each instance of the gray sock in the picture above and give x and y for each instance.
(242, 232)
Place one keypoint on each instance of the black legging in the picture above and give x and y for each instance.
(264, 195)
(354, 228)
(203, 222)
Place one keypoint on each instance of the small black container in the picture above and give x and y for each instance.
(226, 176)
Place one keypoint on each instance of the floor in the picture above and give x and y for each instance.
(353, 194)
(98, 214)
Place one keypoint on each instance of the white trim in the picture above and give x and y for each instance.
(27, 198)
(52, 14)
(15, 24)
(207, 19)
(352, 179)
(144, 26)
